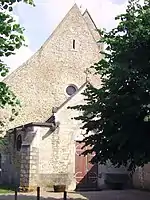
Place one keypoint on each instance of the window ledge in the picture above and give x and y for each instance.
(74, 50)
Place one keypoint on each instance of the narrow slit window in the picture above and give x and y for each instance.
(74, 44)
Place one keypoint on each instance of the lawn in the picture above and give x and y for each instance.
(6, 189)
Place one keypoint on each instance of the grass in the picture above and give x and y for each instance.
(6, 189)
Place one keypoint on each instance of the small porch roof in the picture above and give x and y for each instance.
(39, 124)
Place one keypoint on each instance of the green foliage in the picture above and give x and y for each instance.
(11, 38)
(117, 111)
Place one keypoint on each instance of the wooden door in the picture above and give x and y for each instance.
(85, 172)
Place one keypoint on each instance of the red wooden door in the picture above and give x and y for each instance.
(85, 172)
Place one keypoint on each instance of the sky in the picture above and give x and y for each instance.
(40, 21)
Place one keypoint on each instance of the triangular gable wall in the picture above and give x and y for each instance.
(41, 82)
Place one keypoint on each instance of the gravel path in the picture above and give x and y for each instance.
(94, 195)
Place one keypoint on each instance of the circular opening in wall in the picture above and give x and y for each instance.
(19, 142)
(71, 89)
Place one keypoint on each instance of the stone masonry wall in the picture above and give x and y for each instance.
(41, 82)
(25, 166)
(11, 163)
(34, 166)
(29, 161)
(141, 177)
(56, 159)
(57, 149)
(29, 168)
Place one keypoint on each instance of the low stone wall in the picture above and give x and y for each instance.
(141, 177)
(49, 180)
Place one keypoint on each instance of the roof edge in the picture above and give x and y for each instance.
(46, 123)
(20, 67)
(86, 11)
(40, 124)
(71, 97)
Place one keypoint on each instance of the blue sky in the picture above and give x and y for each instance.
(40, 21)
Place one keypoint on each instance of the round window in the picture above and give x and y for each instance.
(71, 89)
(19, 142)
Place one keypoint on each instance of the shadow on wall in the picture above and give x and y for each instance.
(89, 181)
(51, 130)
(86, 174)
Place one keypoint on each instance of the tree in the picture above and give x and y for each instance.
(117, 113)
(11, 38)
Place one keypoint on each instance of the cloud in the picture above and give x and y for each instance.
(118, 1)
(102, 11)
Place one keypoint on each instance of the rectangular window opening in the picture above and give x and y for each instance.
(74, 44)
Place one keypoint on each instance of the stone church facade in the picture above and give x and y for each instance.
(42, 142)
(42, 139)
